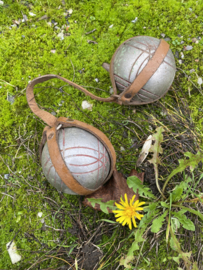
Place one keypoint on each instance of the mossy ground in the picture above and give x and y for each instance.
(25, 53)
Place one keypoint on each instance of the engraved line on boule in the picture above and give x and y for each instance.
(149, 92)
(103, 165)
(133, 65)
(152, 40)
(138, 71)
(137, 48)
(74, 147)
(169, 64)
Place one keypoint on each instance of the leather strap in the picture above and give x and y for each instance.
(60, 166)
(57, 160)
(147, 72)
(48, 118)
(124, 98)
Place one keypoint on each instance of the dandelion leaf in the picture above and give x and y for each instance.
(187, 223)
(194, 266)
(136, 184)
(151, 207)
(103, 206)
(164, 204)
(192, 162)
(176, 259)
(177, 193)
(125, 261)
(138, 238)
(158, 222)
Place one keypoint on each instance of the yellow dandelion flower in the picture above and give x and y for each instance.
(128, 211)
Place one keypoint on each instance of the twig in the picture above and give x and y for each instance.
(94, 233)
(92, 41)
(58, 230)
(51, 200)
(7, 83)
(58, 259)
(13, 239)
(7, 195)
(90, 32)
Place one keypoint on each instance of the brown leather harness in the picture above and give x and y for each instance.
(50, 134)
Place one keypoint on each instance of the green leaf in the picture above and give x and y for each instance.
(177, 193)
(164, 204)
(187, 223)
(146, 220)
(176, 259)
(138, 238)
(195, 266)
(192, 162)
(103, 206)
(190, 210)
(151, 207)
(136, 184)
(158, 223)
(173, 244)
(125, 261)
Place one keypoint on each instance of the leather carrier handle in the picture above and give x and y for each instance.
(48, 118)
(50, 135)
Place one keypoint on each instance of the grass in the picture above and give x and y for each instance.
(25, 53)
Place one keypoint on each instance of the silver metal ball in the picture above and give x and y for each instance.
(131, 57)
(85, 156)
